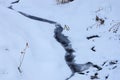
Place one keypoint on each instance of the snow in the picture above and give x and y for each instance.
(44, 59)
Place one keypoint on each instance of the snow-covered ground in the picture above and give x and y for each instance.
(44, 56)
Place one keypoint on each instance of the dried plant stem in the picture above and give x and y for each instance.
(115, 27)
(22, 57)
(66, 27)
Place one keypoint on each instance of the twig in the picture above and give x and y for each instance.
(94, 36)
(17, 1)
(22, 57)
(114, 67)
(104, 63)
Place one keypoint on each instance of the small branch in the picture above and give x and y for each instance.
(114, 67)
(104, 63)
(15, 2)
(22, 57)
(94, 36)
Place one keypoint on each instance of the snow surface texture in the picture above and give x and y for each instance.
(44, 57)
